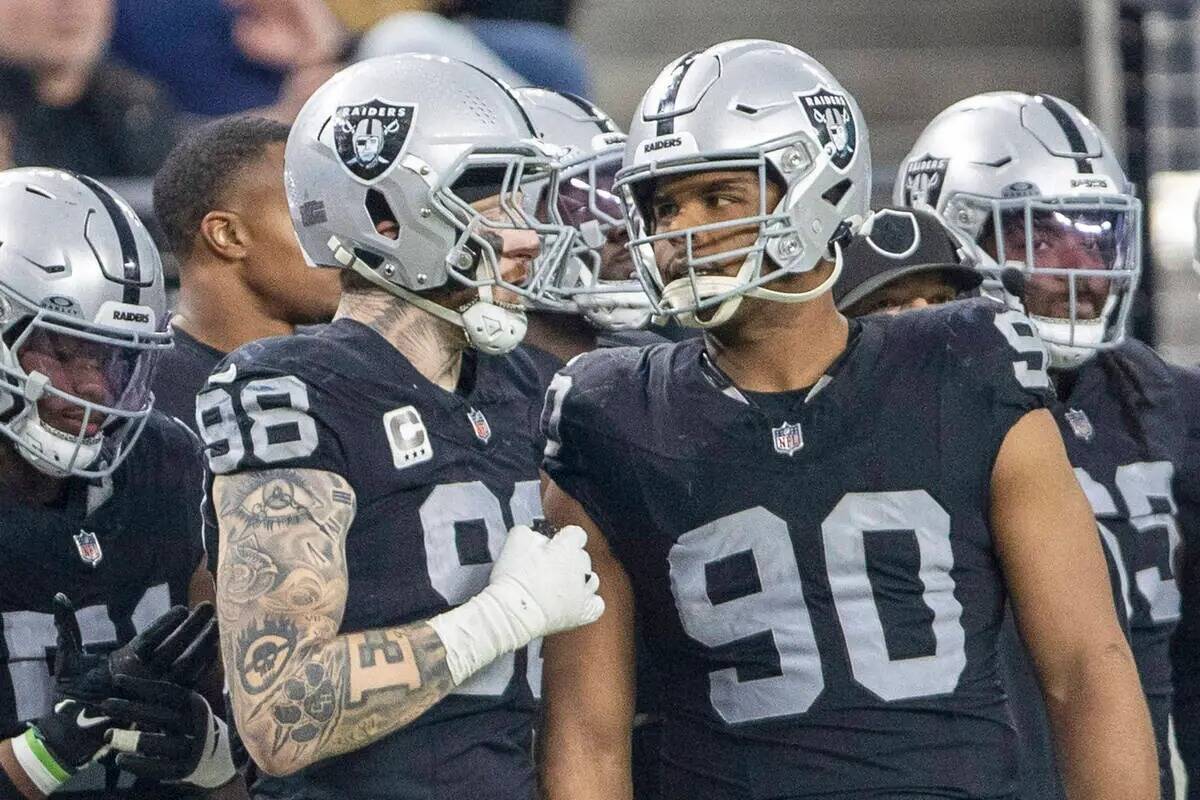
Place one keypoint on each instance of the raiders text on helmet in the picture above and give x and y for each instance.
(755, 105)
(1012, 170)
(415, 139)
(81, 291)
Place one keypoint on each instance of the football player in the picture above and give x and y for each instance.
(1035, 184)
(821, 520)
(593, 300)
(1185, 649)
(99, 499)
(378, 580)
(903, 259)
(220, 201)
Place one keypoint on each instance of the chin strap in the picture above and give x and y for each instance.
(679, 291)
(50, 452)
(488, 327)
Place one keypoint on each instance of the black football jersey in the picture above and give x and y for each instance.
(818, 583)
(123, 548)
(1185, 654)
(439, 477)
(180, 374)
(1126, 434)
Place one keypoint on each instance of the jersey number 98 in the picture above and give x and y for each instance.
(280, 427)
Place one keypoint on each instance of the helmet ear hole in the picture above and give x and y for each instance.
(834, 194)
(479, 183)
(382, 216)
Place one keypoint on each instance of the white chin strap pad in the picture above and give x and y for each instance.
(493, 329)
(678, 292)
(1088, 336)
(50, 452)
(489, 328)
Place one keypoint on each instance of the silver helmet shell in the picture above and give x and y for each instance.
(1000, 157)
(593, 147)
(757, 105)
(76, 262)
(392, 137)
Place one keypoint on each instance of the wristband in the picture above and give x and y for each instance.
(46, 773)
(484, 628)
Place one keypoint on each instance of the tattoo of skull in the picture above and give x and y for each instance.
(263, 651)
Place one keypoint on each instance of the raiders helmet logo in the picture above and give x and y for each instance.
(923, 180)
(370, 137)
(830, 116)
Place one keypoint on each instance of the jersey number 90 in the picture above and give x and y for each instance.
(736, 583)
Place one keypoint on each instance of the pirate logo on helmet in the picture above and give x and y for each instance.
(923, 179)
(831, 117)
(370, 137)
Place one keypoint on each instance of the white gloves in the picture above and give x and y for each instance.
(538, 586)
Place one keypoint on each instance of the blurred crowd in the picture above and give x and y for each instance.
(107, 87)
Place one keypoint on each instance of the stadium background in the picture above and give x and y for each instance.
(1132, 65)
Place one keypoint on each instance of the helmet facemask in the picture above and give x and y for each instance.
(493, 316)
(1072, 264)
(787, 163)
(597, 280)
(74, 397)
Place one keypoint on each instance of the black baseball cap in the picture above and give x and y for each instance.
(897, 242)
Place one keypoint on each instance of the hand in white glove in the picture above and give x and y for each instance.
(548, 583)
(538, 586)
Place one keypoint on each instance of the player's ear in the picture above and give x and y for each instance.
(225, 234)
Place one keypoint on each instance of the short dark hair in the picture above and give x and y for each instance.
(191, 180)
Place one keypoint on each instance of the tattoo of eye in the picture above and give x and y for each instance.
(308, 706)
(263, 652)
(247, 484)
(273, 505)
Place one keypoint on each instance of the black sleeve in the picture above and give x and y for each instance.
(581, 457)
(269, 416)
(998, 357)
(1185, 651)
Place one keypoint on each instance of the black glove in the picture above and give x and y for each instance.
(162, 728)
(56, 745)
(179, 647)
(174, 734)
(176, 649)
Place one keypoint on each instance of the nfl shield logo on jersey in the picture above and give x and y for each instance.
(370, 137)
(483, 431)
(833, 121)
(89, 548)
(1081, 426)
(787, 438)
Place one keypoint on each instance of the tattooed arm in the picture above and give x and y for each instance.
(300, 692)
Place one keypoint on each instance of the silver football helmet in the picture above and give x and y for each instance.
(1032, 181)
(411, 141)
(82, 319)
(598, 280)
(756, 105)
